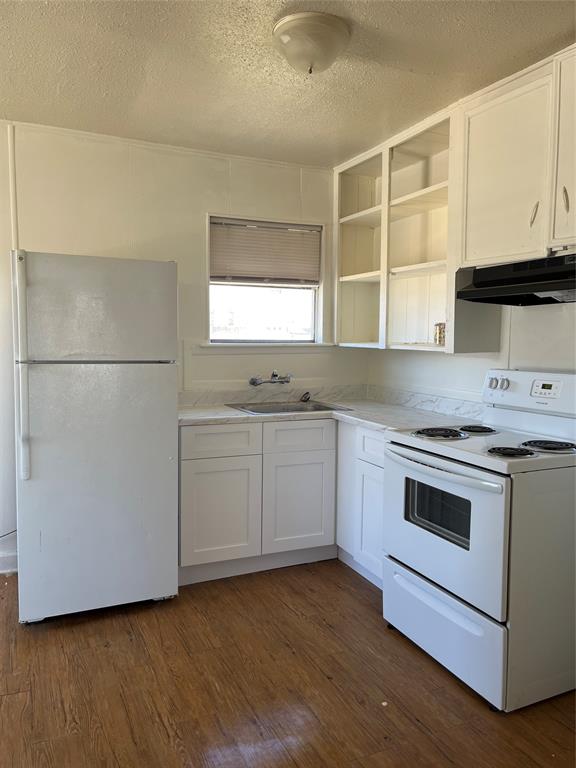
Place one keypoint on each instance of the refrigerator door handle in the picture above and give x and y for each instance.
(24, 422)
(20, 283)
(21, 301)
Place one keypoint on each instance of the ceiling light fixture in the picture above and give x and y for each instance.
(310, 42)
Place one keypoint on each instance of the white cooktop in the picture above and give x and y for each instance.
(474, 450)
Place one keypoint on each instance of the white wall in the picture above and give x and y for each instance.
(533, 338)
(95, 195)
(7, 469)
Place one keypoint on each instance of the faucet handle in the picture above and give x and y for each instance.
(274, 374)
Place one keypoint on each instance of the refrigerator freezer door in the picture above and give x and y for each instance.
(93, 308)
(98, 516)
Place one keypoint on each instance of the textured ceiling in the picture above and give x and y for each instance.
(204, 74)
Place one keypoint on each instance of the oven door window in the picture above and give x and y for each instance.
(439, 512)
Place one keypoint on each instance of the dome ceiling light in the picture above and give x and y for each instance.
(310, 42)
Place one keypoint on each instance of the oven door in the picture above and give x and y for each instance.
(449, 522)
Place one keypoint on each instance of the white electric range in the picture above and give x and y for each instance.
(479, 539)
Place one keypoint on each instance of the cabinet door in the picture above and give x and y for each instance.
(369, 516)
(565, 184)
(346, 487)
(220, 509)
(298, 500)
(507, 173)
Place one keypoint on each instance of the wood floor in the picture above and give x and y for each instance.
(290, 668)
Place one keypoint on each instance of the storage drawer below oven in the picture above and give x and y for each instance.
(464, 641)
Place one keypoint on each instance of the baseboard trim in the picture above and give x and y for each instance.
(8, 563)
(194, 574)
(348, 560)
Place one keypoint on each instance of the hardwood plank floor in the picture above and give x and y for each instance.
(292, 668)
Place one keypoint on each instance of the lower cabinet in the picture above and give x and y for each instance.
(298, 500)
(220, 509)
(239, 506)
(369, 516)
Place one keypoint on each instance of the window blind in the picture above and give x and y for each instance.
(264, 252)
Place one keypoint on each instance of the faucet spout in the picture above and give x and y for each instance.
(275, 378)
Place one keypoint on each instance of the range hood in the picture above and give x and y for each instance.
(551, 280)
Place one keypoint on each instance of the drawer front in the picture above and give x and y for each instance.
(310, 435)
(371, 445)
(214, 441)
(464, 641)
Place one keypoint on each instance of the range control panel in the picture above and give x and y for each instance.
(535, 391)
(546, 388)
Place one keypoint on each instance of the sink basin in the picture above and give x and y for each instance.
(298, 407)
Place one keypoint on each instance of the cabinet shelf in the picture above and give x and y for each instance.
(370, 217)
(422, 266)
(361, 277)
(422, 201)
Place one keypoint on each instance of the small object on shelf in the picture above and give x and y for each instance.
(440, 334)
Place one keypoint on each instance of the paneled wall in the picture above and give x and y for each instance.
(86, 194)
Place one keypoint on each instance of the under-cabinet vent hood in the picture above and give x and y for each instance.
(551, 280)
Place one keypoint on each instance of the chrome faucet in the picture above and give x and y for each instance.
(275, 378)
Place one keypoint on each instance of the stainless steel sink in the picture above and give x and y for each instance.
(298, 407)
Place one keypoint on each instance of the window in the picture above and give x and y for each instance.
(264, 281)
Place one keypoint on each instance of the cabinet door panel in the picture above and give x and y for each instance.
(370, 513)
(298, 500)
(507, 174)
(565, 192)
(220, 509)
(346, 487)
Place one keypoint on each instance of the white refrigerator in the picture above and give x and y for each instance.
(96, 432)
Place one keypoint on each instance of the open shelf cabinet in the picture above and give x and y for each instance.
(398, 250)
(418, 239)
(360, 211)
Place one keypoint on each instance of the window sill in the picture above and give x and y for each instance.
(208, 348)
(263, 345)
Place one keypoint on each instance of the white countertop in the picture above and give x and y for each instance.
(362, 412)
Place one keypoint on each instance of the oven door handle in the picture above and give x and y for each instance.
(443, 474)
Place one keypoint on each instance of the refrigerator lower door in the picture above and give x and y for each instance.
(98, 515)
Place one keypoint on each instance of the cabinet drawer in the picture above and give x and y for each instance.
(464, 641)
(214, 441)
(371, 445)
(310, 435)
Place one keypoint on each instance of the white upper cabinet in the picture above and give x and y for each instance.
(507, 172)
(564, 196)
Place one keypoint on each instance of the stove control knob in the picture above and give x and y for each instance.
(504, 383)
(493, 382)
